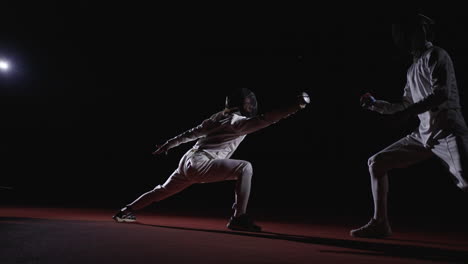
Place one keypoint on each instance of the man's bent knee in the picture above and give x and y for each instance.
(247, 170)
(376, 165)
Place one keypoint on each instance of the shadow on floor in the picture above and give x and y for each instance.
(377, 248)
(356, 247)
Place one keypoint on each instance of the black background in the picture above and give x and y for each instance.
(94, 87)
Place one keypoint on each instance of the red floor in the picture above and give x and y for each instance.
(51, 235)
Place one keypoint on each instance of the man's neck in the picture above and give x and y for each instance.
(417, 53)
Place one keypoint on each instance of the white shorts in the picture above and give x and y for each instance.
(410, 150)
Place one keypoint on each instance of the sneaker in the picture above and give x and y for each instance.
(243, 223)
(373, 229)
(124, 216)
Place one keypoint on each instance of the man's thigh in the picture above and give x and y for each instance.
(223, 170)
(401, 154)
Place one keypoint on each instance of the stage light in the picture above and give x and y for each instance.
(4, 65)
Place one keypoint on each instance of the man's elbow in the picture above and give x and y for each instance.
(439, 97)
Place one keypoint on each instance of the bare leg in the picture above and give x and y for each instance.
(402, 153)
(379, 185)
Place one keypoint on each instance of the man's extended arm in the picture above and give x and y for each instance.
(248, 125)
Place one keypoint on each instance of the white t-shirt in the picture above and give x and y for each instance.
(432, 70)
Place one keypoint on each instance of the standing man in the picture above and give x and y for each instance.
(209, 159)
(431, 93)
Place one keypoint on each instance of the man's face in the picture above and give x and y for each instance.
(248, 105)
(418, 39)
(408, 37)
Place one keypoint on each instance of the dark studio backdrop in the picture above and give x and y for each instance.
(94, 87)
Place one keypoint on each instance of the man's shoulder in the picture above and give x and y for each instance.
(218, 115)
(236, 117)
(225, 118)
(438, 53)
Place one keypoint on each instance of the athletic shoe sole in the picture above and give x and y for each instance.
(123, 220)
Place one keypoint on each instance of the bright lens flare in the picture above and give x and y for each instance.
(4, 65)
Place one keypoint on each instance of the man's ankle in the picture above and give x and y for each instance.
(380, 220)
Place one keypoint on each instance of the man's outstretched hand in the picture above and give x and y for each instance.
(303, 99)
(367, 100)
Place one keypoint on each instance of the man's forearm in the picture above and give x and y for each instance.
(187, 136)
(428, 103)
(256, 123)
(387, 108)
